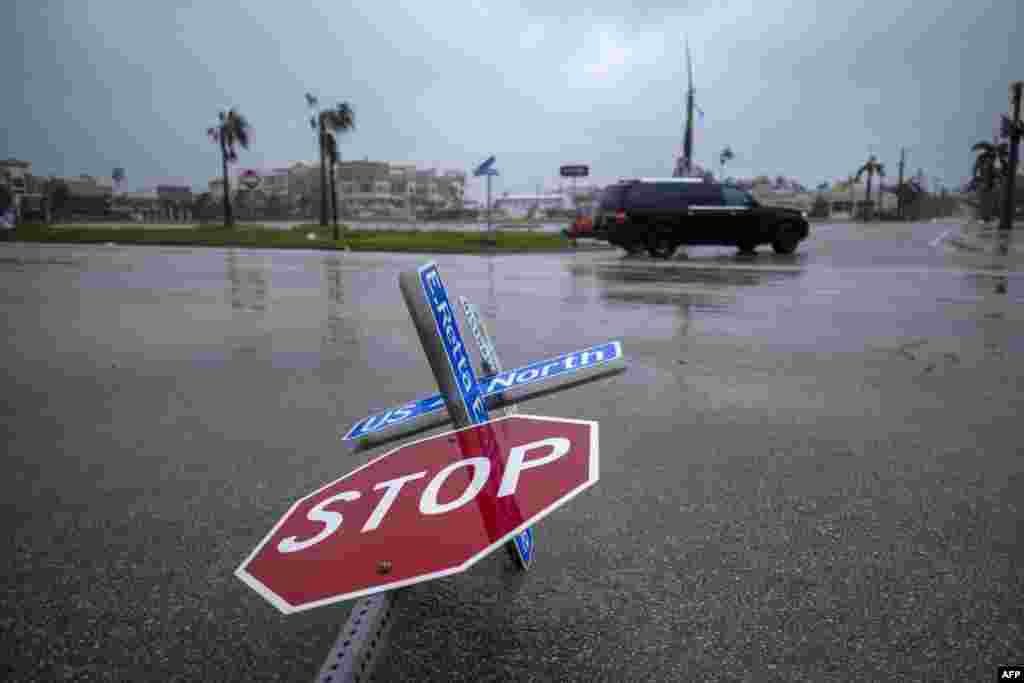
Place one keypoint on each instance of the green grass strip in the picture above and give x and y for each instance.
(253, 236)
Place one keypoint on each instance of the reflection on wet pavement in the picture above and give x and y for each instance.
(248, 284)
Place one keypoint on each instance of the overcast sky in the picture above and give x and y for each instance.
(806, 89)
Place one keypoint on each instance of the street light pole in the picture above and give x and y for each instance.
(899, 186)
(1012, 127)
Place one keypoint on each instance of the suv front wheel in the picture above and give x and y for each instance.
(786, 239)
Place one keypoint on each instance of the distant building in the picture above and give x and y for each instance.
(520, 205)
(14, 174)
(364, 188)
(216, 186)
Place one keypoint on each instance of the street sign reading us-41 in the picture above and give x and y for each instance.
(422, 511)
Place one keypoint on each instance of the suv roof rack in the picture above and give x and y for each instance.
(662, 180)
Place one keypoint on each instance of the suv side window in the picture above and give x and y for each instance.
(656, 196)
(734, 197)
(703, 195)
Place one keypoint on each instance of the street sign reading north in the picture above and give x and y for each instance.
(550, 370)
(575, 171)
(425, 510)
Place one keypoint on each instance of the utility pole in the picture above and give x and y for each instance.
(899, 186)
(1012, 129)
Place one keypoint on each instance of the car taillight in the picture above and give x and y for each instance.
(620, 216)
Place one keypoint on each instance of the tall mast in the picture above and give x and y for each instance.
(684, 165)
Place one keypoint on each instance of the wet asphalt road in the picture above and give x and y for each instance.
(811, 470)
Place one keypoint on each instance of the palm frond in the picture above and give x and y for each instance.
(340, 119)
(311, 101)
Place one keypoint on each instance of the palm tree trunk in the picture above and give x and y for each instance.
(867, 199)
(334, 205)
(323, 178)
(990, 193)
(228, 217)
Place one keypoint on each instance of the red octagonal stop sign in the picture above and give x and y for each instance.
(425, 510)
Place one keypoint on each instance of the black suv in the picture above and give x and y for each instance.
(661, 214)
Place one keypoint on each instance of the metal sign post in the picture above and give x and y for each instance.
(487, 169)
(574, 171)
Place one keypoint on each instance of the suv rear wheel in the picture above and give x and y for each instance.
(662, 247)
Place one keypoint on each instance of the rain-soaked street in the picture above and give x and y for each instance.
(809, 471)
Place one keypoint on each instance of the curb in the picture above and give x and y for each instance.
(980, 238)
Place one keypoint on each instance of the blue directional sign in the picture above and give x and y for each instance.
(493, 385)
(448, 331)
(524, 547)
(483, 168)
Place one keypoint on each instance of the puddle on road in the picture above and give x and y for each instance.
(815, 307)
(327, 305)
(18, 261)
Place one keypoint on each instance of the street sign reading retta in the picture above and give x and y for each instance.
(425, 510)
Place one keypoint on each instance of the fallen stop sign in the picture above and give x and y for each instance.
(425, 510)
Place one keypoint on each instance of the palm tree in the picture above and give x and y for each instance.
(725, 156)
(870, 167)
(988, 167)
(328, 123)
(117, 175)
(232, 129)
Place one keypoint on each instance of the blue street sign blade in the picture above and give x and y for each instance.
(485, 166)
(492, 386)
(524, 548)
(451, 339)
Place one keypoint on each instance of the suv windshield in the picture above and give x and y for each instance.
(735, 197)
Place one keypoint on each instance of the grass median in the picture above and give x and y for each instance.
(298, 237)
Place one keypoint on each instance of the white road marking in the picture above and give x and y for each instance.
(810, 267)
(938, 240)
